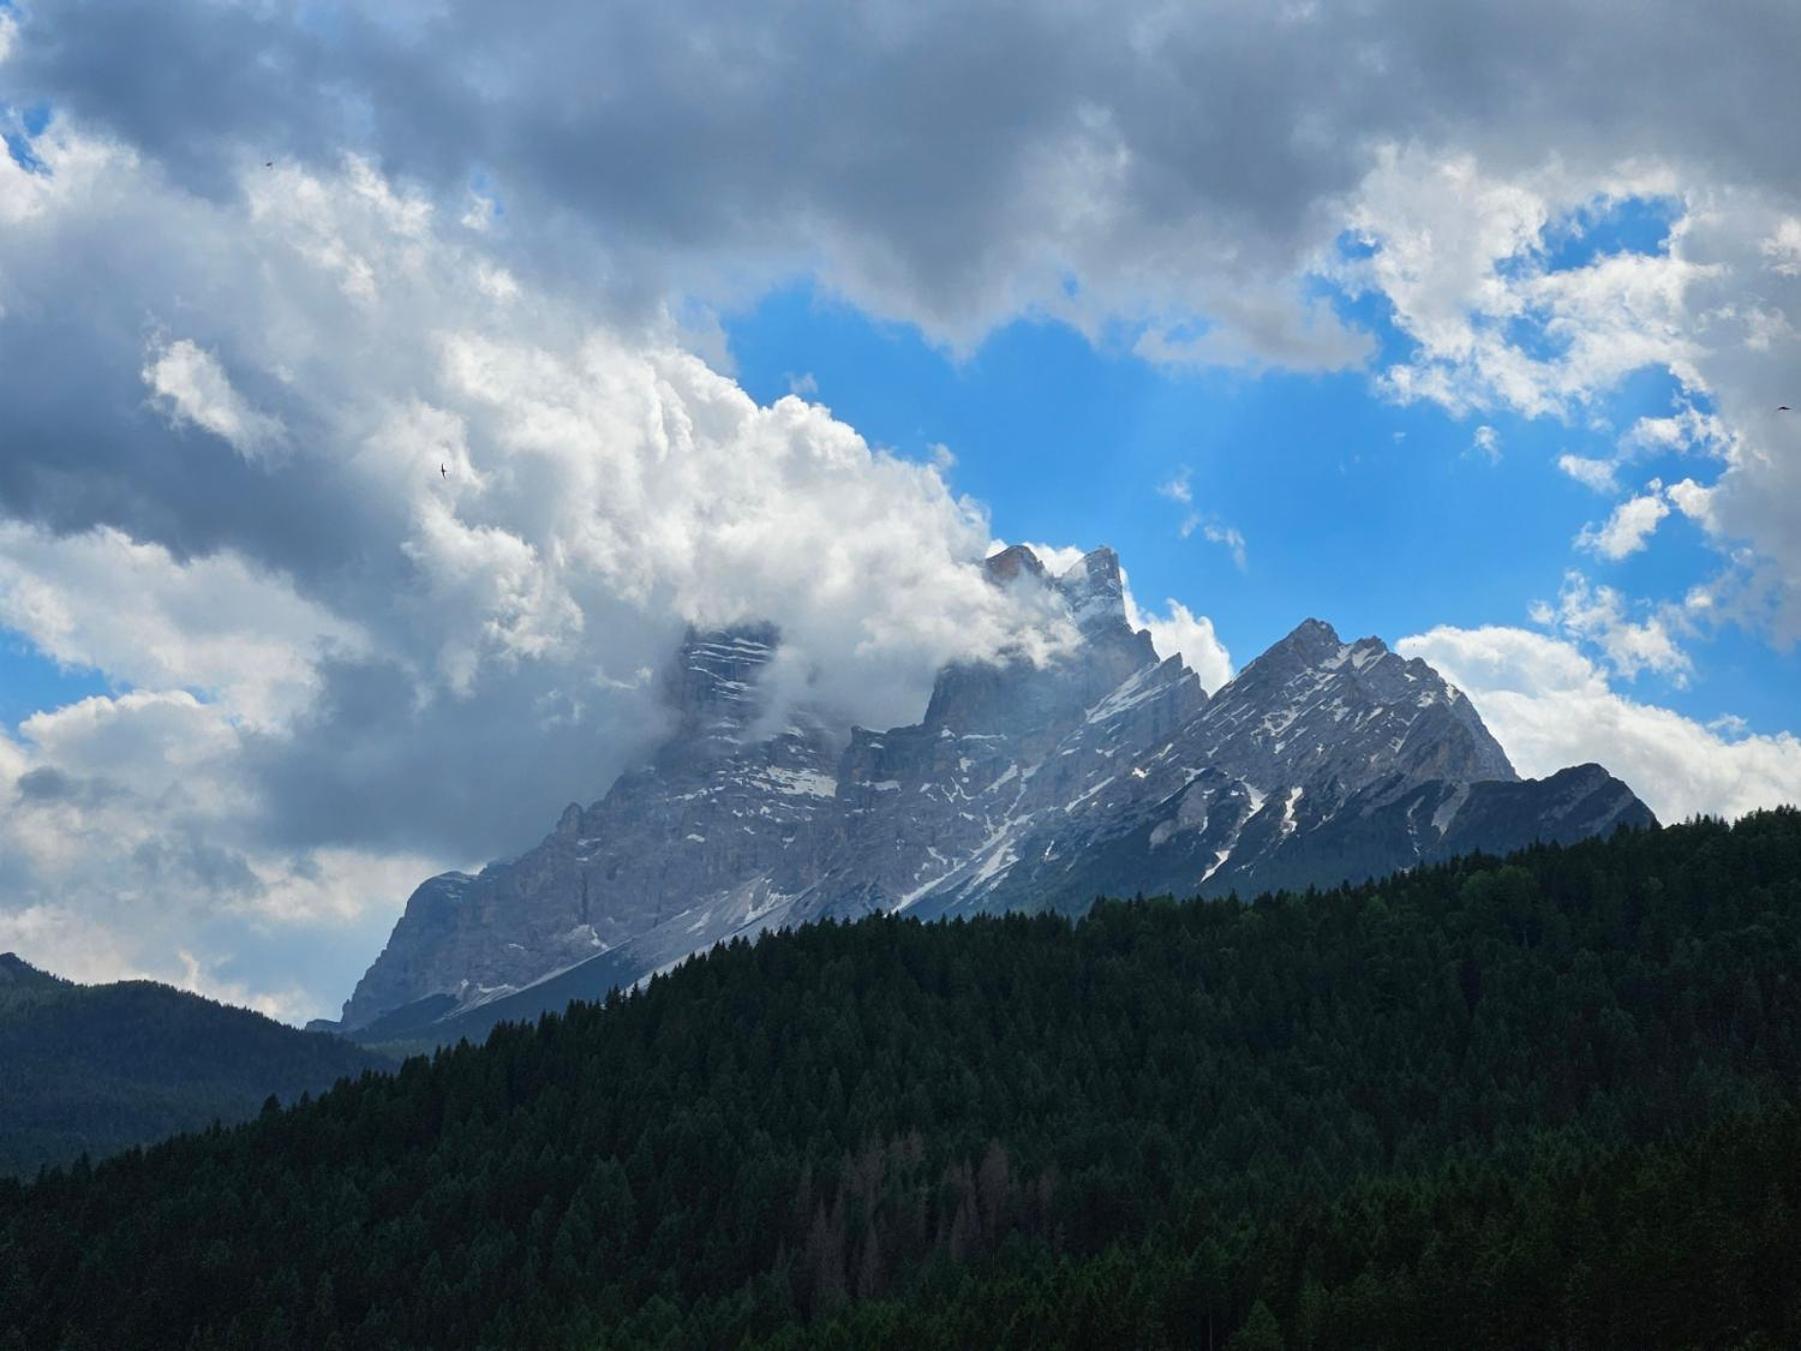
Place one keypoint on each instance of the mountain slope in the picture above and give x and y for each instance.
(1252, 1100)
(1031, 785)
(97, 1068)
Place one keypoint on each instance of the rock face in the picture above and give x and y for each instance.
(1025, 786)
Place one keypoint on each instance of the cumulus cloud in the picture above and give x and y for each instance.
(490, 521)
(190, 386)
(1496, 324)
(1461, 255)
(1629, 528)
(1687, 429)
(1550, 706)
(1192, 176)
(132, 844)
(1597, 615)
(1180, 632)
(213, 624)
(1590, 473)
(1694, 501)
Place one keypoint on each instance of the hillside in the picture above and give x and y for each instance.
(98, 1068)
(1542, 1100)
(1026, 785)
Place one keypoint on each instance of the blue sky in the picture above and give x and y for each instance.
(1379, 517)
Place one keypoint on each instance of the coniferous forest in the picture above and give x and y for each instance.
(102, 1067)
(1547, 1101)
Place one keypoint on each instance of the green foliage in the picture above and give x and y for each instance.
(93, 1069)
(1541, 1102)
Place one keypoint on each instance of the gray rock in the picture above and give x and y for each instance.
(1024, 786)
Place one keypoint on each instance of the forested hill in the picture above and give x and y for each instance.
(96, 1068)
(1546, 1101)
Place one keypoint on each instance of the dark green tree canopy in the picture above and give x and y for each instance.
(1541, 1101)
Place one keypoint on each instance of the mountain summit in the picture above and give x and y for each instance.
(1026, 785)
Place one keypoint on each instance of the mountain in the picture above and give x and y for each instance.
(1542, 1101)
(1026, 786)
(98, 1068)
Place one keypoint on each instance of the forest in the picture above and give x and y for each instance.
(97, 1068)
(1548, 1100)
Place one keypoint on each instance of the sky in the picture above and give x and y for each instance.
(388, 388)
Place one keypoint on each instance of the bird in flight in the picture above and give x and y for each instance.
(442, 470)
(1783, 408)
(268, 164)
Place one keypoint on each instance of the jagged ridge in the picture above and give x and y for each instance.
(1025, 786)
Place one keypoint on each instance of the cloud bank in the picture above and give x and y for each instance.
(388, 554)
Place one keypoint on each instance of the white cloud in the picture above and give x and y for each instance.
(133, 844)
(1191, 636)
(1459, 253)
(1687, 430)
(191, 386)
(1629, 528)
(1179, 489)
(333, 653)
(1783, 247)
(1597, 615)
(1694, 501)
(1550, 707)
(1590, 473)
(1487, 443)
(1228, 538)
(1057, 558)
(212, 624)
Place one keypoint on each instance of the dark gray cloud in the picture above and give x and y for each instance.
(944, 162)
(368, 765)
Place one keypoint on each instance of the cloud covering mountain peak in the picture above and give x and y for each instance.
(488, 520)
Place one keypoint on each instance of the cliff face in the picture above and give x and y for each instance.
(1106, 770)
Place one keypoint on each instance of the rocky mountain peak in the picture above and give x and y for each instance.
(1014, 694)
(712, 684)
(1095, 591)
(1027, 784)
(1311, 643)
(1316, 710)
(1010, 563)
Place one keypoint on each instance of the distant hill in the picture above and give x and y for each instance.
(98, 1068)
(1546, 1100)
